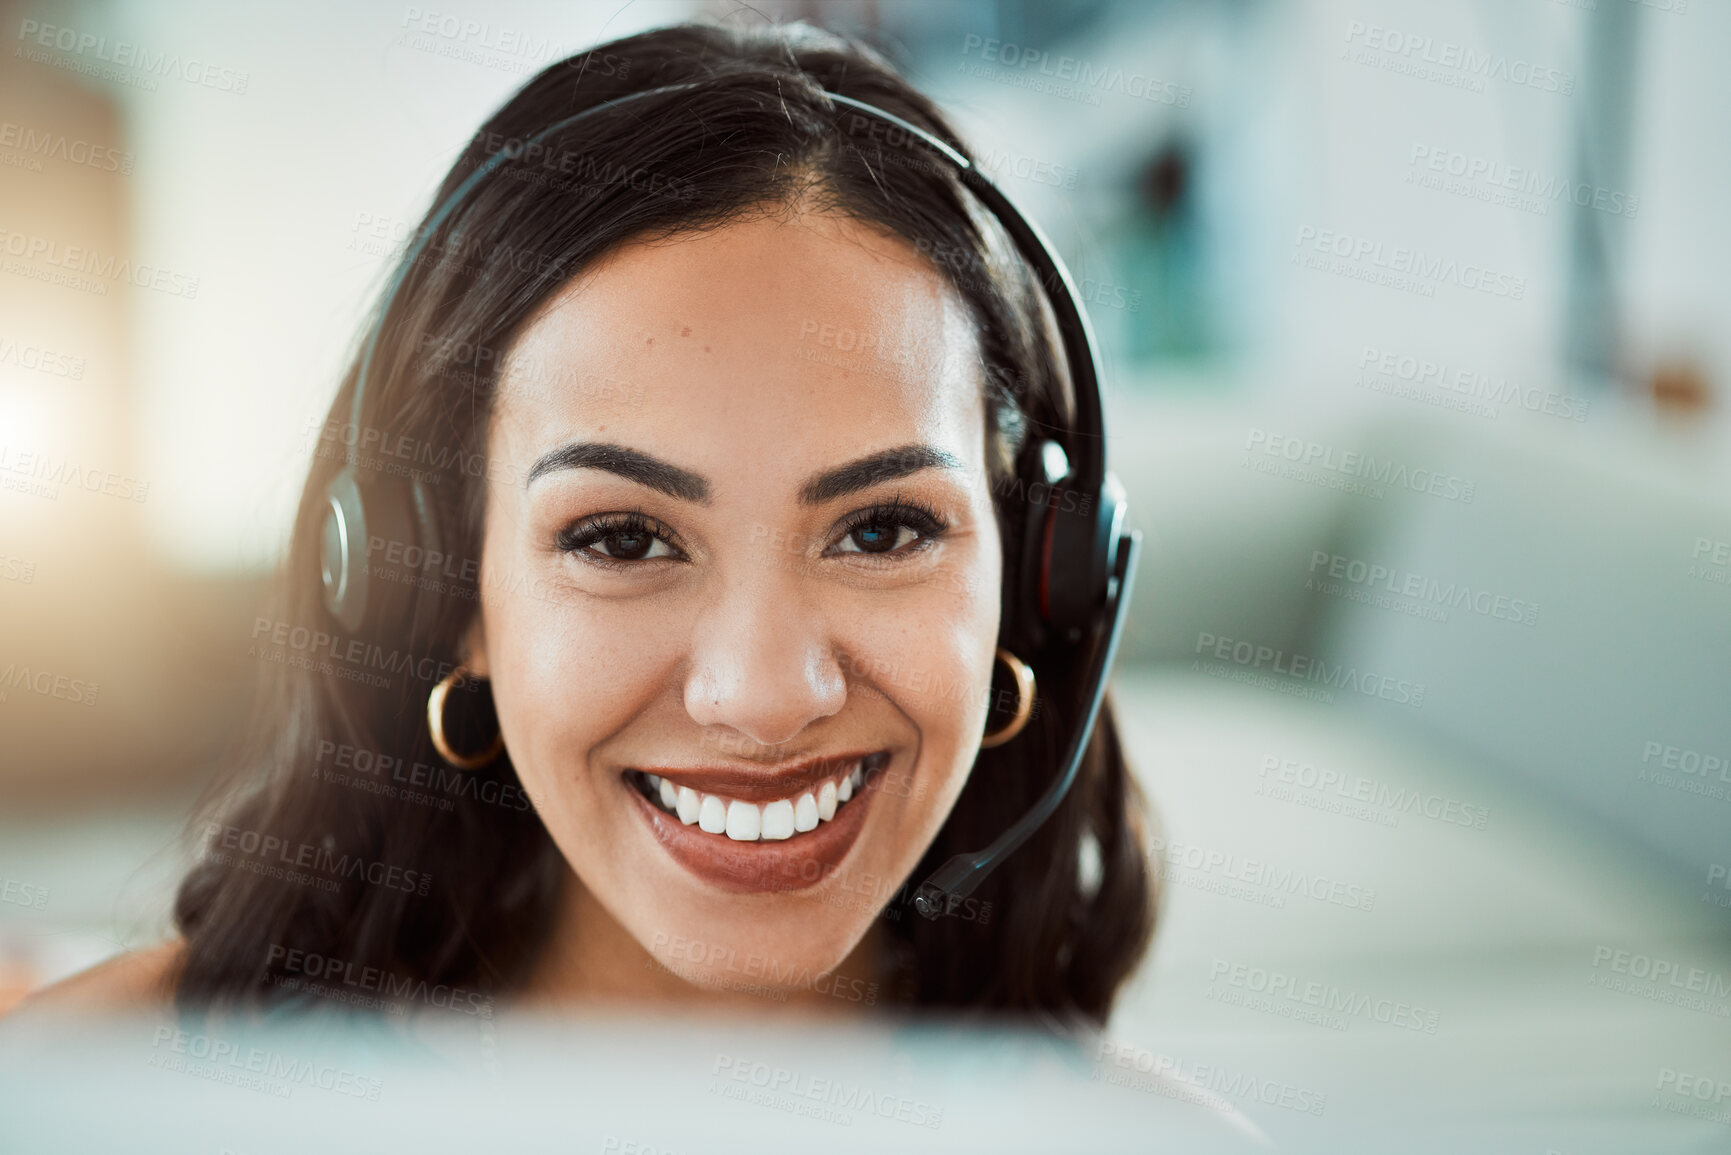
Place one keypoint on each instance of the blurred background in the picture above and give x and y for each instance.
(1414, 321)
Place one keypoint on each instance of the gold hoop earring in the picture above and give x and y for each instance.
(1024, 701)
(436, 727)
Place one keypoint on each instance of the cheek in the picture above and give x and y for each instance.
(566, 672)
(932, 671)
(934, 664)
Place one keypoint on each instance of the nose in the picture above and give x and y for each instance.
(762, 662)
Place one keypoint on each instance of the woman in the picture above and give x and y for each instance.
(715, 401)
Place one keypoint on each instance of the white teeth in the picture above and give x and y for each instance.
(778, 820)
(747, 822)
(744, 821)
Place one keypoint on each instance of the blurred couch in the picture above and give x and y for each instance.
(1626, 664)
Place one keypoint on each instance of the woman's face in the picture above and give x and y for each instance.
(740, 584)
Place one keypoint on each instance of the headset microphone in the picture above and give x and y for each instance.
(957, 878)
(1078, 560)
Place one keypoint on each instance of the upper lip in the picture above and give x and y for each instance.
(759, 783)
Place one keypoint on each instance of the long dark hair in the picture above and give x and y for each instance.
(341, 783)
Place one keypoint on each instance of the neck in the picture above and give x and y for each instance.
(591, 961)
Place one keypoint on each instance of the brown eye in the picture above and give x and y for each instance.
(900, 527)
(628, 544)
(619, 538)
(880, 538)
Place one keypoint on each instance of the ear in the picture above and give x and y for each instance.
(474, 648)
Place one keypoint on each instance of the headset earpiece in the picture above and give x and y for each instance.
(1070, 537)
(383, 513)
(1083, 532)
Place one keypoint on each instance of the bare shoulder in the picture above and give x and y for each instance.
(140, 980)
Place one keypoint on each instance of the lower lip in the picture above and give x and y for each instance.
(757, 867)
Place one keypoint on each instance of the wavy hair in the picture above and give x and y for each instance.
(1053, 933)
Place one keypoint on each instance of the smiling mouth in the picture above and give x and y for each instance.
(767, 816)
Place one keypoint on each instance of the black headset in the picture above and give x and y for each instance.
(1078, 556)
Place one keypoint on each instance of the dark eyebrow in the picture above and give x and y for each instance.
(868, 471)
(627, 463)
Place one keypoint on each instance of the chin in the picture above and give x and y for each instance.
(801, 957)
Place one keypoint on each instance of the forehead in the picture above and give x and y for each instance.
(776, 342)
